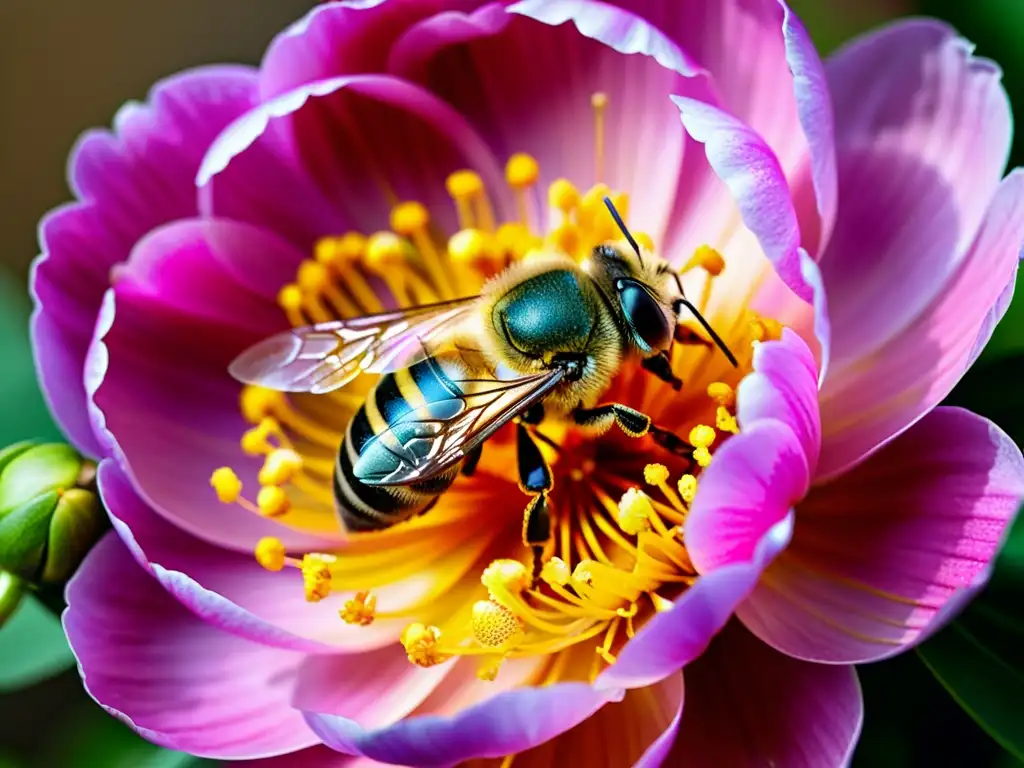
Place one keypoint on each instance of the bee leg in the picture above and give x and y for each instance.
(534, 479)
(472, 459)
(533, 415)
(630, 421)
(661, 366)
(673, 443)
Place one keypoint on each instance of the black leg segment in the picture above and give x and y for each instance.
(629, 420)
(535, 479)
(661, 367)
(472, 459)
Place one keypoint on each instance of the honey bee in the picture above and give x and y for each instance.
(543, 340)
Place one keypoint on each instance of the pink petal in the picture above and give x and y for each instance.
(179, 312)
(177, 681)
(638, 731)
(230, 590)
(674, 638)
(768, 74)
(784, 386)
(749, 705)
(925, 126)
(866, 404)
(314, 757)
(128, 181)
(339, 152)
(879, 554)
(508, 722)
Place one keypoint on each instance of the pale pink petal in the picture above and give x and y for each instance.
(228, 589)
(638, 731)
(768, 74)
(749, 705)
(863, 405)
(127, 181)
(314, 757)
(923, 134)
(176, 680)
(879, 553)
(341, 152)
(162, 396)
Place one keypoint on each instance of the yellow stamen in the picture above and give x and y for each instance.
(386, 255)
(272, 501)
(280, 467)
(521, 173)
(687, 487)
(706, 258)
(635, 512)
(360, 610)
(765, 329)
(555, 572)
(599, 102)
(722, 394)
(316, 576)
(420, 643)
(655, 474)
(702, 437)
(270, 553)
(725, 421)
(342, 255)
(564, 196)
(226, 484)
(494, 625)
(472, 251)
(412, 220)
(290, 300)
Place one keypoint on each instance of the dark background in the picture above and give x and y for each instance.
(66, 65)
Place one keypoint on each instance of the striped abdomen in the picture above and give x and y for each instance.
(365, 507)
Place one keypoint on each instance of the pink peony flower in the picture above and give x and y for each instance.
(830, 506)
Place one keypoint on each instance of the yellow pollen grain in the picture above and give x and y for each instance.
(316, 576)
(281, 466)
(725, 421)
(634, 512)
(702, 437)
(687, 487)
(270, 553)
(272, 501)
(420, 643)
(655, 474)
(494, 625)
(555, 572)
(360, 610)
(226, 484)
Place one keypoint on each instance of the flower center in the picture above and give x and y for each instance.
(616, 553)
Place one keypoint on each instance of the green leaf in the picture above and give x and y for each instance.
(32, 647)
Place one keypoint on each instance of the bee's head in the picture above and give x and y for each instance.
(642, 288)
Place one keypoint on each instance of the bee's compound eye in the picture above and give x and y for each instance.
(644, 314)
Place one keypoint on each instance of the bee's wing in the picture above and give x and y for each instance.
(321, 358)
(428, 440)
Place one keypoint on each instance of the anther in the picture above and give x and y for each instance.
(702, 437)
(352, 246)
(488, 670)
(256, 403)
(316, 576)
(765, 329)
(469, 246)
(270, 553)
(563, 195)
(722, 393)
(385, 250)
(311, 277)
(687, 487)
(272, 501)
(725, 421)
(494, 625)
(582, 572)
(509, 575)
(408, 218)
(599, 102)
(464, 187)
(280, 466)
(555, 572)
(255, 441)
(708, 259)
(521, 171)
(420, 643)
(655, 474)
(289, 298)
(226, 484)
(635, 512)
(360, 610)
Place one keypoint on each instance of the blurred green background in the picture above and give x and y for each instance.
(66, 65)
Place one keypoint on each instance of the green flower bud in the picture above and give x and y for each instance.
(50, 515)
(12, 589)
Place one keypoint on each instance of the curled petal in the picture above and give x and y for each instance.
(176, 680)
(882, 555)
(127, 181)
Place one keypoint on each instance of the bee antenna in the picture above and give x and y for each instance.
(622, 226)
(682, 301)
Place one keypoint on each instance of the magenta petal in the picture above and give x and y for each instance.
(677, 636)
(178, 314)
(128, 181)
(176, 680)
(314, 757)
(504, 724)
(879, 554)
(749, 705)
(926, 127)
(229, 590)
(867, 403)
(753, 175)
